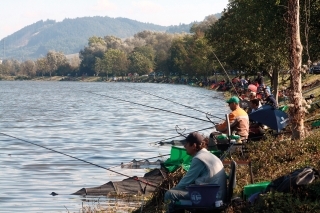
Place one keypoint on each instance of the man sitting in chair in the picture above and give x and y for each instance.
(238, 120)
(205, 168)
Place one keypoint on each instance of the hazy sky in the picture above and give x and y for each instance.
(16, 14)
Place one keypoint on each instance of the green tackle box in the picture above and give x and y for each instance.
(251, 189)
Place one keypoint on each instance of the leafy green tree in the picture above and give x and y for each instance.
(113, 42)
(11, 67)
(190, 55)
(147, 51)
(204, 25)
(98, 66)
(178, 56)
(96, 49)
(252, 39)
(42, 66)
(139, 63)
(115, 62)
(55, 60)
(28, 68)
(95, 41)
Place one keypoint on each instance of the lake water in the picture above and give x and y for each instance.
(75, 118)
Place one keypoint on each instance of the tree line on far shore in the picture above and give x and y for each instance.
(247, 37)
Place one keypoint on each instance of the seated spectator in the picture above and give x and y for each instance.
(270, 99)
(205, 168)
(254, 105)
(238, 119)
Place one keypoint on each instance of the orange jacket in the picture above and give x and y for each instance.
(239, 122)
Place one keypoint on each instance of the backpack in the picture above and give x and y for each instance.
(299, 177)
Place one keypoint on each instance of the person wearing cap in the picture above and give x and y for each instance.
(238, 120)
(205, 168)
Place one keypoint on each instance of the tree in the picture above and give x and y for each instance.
(96, 49)
(179, 56)
(252, 39)
(115, 62)
(204, 25)
(42, 66)
(28, 68)
(98, 66)
(296, 110)
(55, 60)
(11, 67)
(139, 63)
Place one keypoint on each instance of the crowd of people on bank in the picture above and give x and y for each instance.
(205, 167)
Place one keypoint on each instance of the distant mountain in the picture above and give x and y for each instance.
(71, 35)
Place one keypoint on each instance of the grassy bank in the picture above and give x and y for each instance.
(270, 159)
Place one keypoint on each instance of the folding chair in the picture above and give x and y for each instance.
(227, 201)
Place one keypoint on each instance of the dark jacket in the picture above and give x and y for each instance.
(271, 101)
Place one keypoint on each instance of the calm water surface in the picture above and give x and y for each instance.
(67, 117)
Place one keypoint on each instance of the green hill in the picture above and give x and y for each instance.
(69, 36)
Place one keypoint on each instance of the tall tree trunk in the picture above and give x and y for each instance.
(296, 111)
(275, 83)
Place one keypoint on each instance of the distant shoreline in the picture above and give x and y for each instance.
(53, 78)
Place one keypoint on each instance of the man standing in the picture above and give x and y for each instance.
(238, 120)
(205, 168)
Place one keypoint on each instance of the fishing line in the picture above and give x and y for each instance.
(134, 178)
(226, 74)
(175, 102)
(149, 106)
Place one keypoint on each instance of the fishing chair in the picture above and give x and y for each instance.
(230, 186)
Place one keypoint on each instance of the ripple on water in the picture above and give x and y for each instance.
(64, 117)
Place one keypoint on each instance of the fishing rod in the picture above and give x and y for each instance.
(162, 142)
(226, 74)
(174, 102)
(150, 106)
(134, 178)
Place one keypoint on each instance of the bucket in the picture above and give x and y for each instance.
(203, 195)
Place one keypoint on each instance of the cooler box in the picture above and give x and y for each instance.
(254, 188)
(203, 195)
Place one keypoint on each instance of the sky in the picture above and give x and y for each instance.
(16, 14)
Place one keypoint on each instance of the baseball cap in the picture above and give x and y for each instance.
(193, 137)
(233, 99)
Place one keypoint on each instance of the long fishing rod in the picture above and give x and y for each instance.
(175, 102)
(135, 178)
(150, 107)
(161, 142)
(226, 74)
